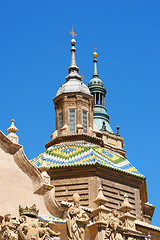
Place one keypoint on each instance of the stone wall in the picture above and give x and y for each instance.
(16, 187)
(86, 181)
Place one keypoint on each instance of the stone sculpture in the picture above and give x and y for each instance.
(27, 227)
(76, 220)
(114, 227)
(8, 228)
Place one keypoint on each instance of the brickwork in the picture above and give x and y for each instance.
(79, 101)
(85, 181)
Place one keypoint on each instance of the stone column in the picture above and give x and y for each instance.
(65, 111)
(79, 109)
(103, 100)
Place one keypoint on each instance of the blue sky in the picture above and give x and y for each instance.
(35, 56)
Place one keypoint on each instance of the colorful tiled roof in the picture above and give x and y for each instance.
(52, 219)
(82, 153)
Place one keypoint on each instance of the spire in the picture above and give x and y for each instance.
(97, 89)
(96, 81)
(73, 69)
(95, 74)
(12, 132)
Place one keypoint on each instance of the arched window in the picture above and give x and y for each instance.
(72, 120)
(85, 121)
(59, 122)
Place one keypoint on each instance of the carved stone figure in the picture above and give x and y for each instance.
(50, 233)
(27, 227)
(76, 220)
(32, 228)
(9, 228)
(114, 227)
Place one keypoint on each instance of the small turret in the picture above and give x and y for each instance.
(97, 89)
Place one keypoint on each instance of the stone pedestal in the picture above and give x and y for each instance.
(79, 128)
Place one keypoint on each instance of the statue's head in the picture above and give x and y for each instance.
(115, 213)
(114, 221)
(76, 199)
(41, 233)
(7, 217)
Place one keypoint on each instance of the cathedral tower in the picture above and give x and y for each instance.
(73, 102)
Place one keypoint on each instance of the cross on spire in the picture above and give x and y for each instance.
(73, 33)
(95, 47)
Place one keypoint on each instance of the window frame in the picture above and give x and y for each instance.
(58, 122)
(72, 132)
(85, 130)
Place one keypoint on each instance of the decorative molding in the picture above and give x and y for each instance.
(7, 145)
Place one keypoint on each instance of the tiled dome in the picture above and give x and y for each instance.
(82, 153)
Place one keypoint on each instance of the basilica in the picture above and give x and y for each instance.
(82, 187)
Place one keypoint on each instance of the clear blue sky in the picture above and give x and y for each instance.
(35, 55)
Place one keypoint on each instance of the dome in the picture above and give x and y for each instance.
(82, 154)
(95, 81)
(73, 85)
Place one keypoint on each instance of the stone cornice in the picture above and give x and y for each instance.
(75, 137)
(7, 145)
(63, 95)
(147, 225)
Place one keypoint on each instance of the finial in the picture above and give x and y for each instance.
(73, 33)
(100, 192)
(73, 69)
(43, 169)
(103, 127)
(12, 128)
(117, 133)
(126, 206)
(73, 41)
(95, 53)
(12, 132)
(95, 47)
(100, 199)
(95, 74)
(149, 236)
(44, 166)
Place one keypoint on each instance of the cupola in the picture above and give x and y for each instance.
(73, 102)
(80, 112)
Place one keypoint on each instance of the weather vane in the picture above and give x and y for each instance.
(72, 32)
(95, 47)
